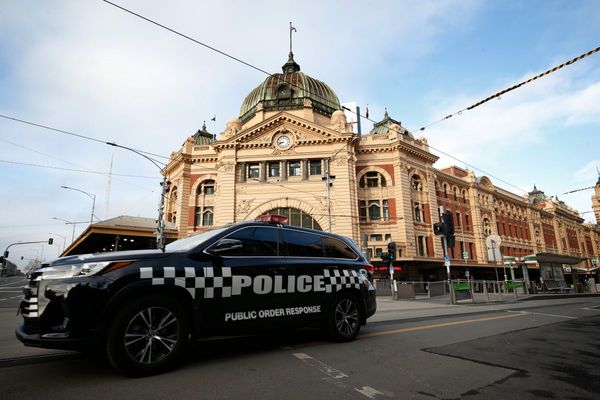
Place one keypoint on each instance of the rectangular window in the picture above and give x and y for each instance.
(294, 168)
(417, 213)
(467, 221)
(388, 236)
(374, 210)
(421, 245)
(369, 253)
(362, 209)
(315, 167)
(273, 169)
(198, 216)
(207, 216)
(458, 221)
(376, 238)
(253, 171)
(378, 252)
(386, 211)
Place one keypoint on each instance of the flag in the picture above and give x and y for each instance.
(214, 118)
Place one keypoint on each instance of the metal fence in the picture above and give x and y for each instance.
(460, 291)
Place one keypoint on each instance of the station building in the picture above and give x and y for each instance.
(291, 151)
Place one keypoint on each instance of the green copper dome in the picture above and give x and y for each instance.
(289, 91)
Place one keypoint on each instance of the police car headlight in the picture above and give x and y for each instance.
(87, 269)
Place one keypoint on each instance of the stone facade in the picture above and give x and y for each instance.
(385, 187)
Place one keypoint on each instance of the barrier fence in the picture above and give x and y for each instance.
(459, 291)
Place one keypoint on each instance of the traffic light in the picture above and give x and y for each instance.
(50, 240)
(449, 222)
(392, 251)
(439, 228)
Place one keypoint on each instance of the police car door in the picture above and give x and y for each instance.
(306, 265)
(254, 295)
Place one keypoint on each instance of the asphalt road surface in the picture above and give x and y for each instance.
(528, 350)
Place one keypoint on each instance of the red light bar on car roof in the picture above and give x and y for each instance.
(272, 219)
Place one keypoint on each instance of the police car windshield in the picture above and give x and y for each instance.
(189, 243)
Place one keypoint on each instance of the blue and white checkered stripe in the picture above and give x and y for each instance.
(204, 279)
(336, 280)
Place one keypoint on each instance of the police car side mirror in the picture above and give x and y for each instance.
(226, 245)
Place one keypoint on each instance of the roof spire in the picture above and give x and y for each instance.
(291, 65)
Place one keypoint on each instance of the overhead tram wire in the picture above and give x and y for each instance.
(72, 134)
(75, 170)
(353, 111)
(516, 86)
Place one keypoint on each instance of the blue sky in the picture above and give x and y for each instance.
(89, 68)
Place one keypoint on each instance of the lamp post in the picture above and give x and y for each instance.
(70, 223)
(90, 195)
(160, 229)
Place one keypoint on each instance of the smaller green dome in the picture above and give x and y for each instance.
(203, 137)
(288, 91)
(383, 127)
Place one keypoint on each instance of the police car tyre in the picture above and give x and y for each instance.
(147, 335)
(344, 318)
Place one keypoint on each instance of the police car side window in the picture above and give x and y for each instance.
(300, 244)
(256, 241)
(336, 248)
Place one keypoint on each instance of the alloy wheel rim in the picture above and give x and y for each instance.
(346, 317)
(151, 335)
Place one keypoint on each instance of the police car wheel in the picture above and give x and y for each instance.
(344, 318)
(147, 335)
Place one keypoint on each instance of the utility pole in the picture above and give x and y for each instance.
(160, 233)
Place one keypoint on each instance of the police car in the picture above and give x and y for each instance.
(142, 307)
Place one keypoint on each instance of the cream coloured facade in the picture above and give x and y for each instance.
(275, 157)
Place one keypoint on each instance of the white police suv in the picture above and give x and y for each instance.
(142, 307)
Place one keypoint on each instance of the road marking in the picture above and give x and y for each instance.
(442, 325)
(592, 308)
(10, 298)
(545, 314)
(337, 375)
(13, 282)
(10, 291)
(321, 366)
(368, 391)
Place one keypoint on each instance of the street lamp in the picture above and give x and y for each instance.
(70, 223)
(90, 195)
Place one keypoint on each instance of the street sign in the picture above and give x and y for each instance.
(447, 261)
(465, 255)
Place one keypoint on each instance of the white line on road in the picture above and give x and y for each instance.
(10, 298)
(547, 315)
(336, 374)
(591, 309)
(13, 282)
(321, 366)
(368, 391)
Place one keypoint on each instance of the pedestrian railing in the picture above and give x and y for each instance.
(459, 291)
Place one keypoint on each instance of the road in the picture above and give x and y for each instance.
(524, 350)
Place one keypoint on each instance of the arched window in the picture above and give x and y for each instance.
(416, 182)
(206, 188)
(487, 229)
(372, 179)
(204, 211)
(296, 217)
(417, 213)
(172, 208)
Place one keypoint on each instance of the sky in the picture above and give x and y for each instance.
(92, 69)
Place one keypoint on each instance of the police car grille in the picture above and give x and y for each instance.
(29, 305)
